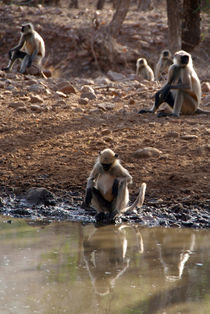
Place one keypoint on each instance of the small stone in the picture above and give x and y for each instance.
(39, 196)
(147, 152)
(189, 137)
(172, 134)
(36, 108)
(106, 106)
(115, 76)
(83, 101)
(16, 105)
(36, 99)
(205, 87)
(68, 89)
(61, 94)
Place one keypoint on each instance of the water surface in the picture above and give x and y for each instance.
(70, 268)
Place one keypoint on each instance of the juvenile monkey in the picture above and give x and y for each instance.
(182, 91)
(163, 64)
(31, 49)
(144, 70)
(107, 187)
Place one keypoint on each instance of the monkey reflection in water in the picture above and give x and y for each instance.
(107, 188)
(184, 255)
(106, 255)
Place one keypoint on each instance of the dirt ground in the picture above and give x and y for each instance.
(55, 142)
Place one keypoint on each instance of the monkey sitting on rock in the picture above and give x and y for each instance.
(107, 187)
(31, 49)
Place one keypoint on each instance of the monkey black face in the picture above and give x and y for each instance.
(22, 29)
(106, 167)
(165, 53)
(184, 59)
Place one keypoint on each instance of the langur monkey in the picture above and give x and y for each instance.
(144, 70)
(31, 49)
(163, 64)
(107, 187)
(182, 92)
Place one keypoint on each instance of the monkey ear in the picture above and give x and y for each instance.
(116, 155)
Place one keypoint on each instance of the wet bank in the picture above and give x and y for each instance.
(69, 207)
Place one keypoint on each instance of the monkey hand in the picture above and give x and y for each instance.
(165, 114)
(115, 188)
(88, 197)
(5, 69)
(145, 111)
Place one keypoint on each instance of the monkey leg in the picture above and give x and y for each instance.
(120, 201)
(14, 55)
(99, 201)
(189, 105)
(27, 61)
(164, 95)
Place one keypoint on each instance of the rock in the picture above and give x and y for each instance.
(36, 99)
(147, 152)
(61, 94)
(87, 89)
(68, 89)
(102, 80)
(16, 104)
(205, 87)
(22, 109)
(206, 100)
(88, 92)
(36, 108)
(37, 88)
(37, 196)
(172, 134)
(189, 137)
(83, 101)
(106, 106)
(47, 73)
(105, 132)
(2, 84)
(90, 96)
(115, 76)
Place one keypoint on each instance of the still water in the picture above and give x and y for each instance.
(70, 268)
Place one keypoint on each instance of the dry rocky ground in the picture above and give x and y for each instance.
(52, 129)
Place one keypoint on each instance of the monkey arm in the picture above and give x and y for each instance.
(122, 174)
(93, 176)
(19, 46)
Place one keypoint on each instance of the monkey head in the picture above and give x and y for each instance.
(142, 62)
(107, 159)
(166, 53)
(27, 28)
(182, 58)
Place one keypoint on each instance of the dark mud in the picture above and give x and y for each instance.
(69, 207)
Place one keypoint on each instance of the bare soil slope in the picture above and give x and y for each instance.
(51, 139)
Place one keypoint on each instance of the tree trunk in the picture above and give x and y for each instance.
(74, 4)
(119, 16)
(144, 5)
(174, 24)
(191, 24)
(100, 4)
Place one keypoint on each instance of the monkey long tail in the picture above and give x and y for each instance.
(201, 111)
(139, 200)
